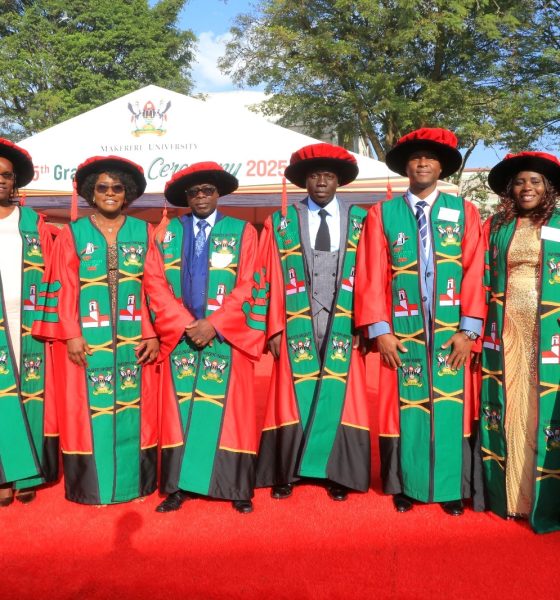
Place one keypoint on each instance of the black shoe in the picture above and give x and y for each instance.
(26, 497)
(453, 508)
(6, 501)
(282, 491)
(173, 502)
(243, 506)
(402, 503)
(336, 492)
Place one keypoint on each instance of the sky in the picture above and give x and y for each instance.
(211, 20)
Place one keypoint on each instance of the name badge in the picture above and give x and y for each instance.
(550, 233)
(220, 261)
(448, 214)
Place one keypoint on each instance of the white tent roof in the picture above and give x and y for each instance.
(165, 131)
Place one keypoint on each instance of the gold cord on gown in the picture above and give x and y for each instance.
(520, 368)
(113, 275)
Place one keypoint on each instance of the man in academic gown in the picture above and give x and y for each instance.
(316, 424)
(420, 295)
(203, 266)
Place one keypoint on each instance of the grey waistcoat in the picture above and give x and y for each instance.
(319, 271)
(322, 284)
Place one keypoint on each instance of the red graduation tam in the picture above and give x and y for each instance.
(321, 156)
(20, 159)
(442, 142)
(539, 162)
(201, 172)
(103, 164)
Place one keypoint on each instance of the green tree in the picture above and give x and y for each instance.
(534, 113)
(383, 68)
(62, 57)
(474, 186)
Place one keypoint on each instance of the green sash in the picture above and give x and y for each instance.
(113, 377)
(430, 392)
(201, 378)
(21, 432)
(320, 389)
(545, 515)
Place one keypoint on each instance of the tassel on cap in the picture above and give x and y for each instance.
(161, 227)
(389, 194)
(74, 202)
(284, 197)
(22, 199)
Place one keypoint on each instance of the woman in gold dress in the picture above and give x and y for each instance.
(520, 402)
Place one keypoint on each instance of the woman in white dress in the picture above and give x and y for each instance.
(28, 441)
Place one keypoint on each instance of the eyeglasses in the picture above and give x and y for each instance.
(103, 188)
(8, 176)
(207, 190)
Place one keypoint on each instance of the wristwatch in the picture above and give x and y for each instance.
(470, 334)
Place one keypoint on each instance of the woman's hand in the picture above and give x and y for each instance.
(146, 351)
(77, 349)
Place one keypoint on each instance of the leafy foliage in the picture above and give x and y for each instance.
(487, 69)
(474, 186)
(62, 57)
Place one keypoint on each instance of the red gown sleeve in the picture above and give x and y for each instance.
(473, 293)
(60, 293)
(372, 297)
(486, 229)
(148, 330)
(269, 263)
(46, 237)
(229, 319)
(171, 316)
(50, 417)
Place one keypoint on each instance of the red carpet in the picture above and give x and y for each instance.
(305, 547)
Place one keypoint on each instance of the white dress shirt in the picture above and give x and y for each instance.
(333, 221)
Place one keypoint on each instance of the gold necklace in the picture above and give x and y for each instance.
(104, 225)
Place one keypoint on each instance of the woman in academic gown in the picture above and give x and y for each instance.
(28, 441)
(94, 306)
(520, 403)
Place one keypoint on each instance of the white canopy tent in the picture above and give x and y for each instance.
(165, 131)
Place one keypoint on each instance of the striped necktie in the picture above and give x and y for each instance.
(422, 223)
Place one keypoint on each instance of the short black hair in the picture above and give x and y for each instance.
(130, 187)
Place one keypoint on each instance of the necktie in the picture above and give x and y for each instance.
(200, 239)
(323, 239)
(422, 223)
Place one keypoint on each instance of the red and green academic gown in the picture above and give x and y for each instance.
(317, 421)
(107, 411)
(545, 511)
(208, 433)
(28, 427)
(427, 411)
